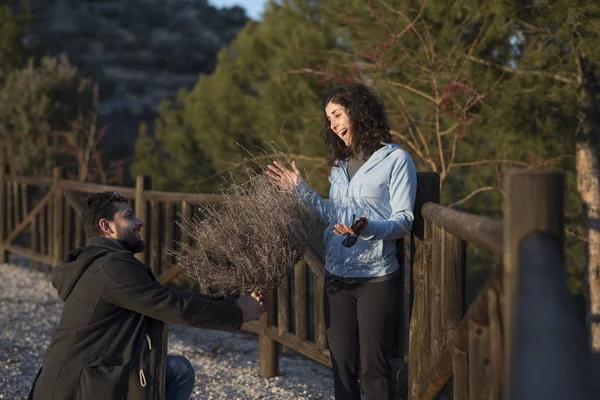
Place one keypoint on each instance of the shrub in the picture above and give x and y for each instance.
(250, 241)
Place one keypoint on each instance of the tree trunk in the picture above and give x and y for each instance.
(588, 185)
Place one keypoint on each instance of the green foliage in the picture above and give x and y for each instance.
(258, 93)
(170, 166)
(36, 101)
(13, 28)
(538, 49)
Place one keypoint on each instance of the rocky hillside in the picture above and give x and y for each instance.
(139, 51)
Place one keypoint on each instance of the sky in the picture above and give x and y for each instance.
(253, 8)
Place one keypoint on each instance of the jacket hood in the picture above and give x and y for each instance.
(384, 151)
(66, 275)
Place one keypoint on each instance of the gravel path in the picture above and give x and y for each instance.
(226, 364)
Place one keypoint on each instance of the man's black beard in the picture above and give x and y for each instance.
(133, 243)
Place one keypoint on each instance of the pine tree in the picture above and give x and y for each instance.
(13, 28)
(259, 93)
(550, 51)
(37, 101)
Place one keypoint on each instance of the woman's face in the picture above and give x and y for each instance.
(339, 122)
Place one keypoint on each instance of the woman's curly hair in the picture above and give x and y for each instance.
(368, 122)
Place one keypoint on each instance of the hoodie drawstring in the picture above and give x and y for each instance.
(142, 378)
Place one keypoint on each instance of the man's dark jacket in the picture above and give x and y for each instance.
(111, 342)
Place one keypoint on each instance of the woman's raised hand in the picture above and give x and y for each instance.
(283, 177)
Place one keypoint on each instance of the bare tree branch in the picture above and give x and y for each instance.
(544, 74)
(543, 163)
(576, 236)
(411, 122)
(486, 162)
(477, 38)
(471, 195)
(239, 164)
(413, 90)
(410, 144)
(453, 155)
(411, 24)
(437, 130)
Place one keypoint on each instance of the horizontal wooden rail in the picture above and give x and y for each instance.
(20, 228)
(29, 180)
(303, 347)
(73, 202)
(483, 232)
(154, 195)
(85, 187)
(478, 311)
(314, 262)
(251, 326)
(27, 253)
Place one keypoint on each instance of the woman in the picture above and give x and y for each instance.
(375, 179)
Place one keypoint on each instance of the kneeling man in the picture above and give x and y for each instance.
(111, 342)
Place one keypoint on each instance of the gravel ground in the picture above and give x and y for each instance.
(226, 364)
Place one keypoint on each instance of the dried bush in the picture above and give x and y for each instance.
(250, 241)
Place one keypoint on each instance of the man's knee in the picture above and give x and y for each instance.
(180, 378)
(180, 366)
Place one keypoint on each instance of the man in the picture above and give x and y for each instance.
(111, 342)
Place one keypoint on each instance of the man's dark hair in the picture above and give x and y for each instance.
(368, 122)
(96, 207)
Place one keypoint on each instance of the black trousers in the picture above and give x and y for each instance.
(360, 320)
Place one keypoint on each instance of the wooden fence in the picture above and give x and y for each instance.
(509, 344)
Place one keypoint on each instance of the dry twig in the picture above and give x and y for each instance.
(252, 240)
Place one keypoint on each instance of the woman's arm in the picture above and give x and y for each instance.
(292, 180)
(321, 208)
(402, 190)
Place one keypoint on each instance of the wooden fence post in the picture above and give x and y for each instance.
(539, 316)
(301, 299)
(3, 213)
(57, 226)
(154, 240)
(419, 360)
(142, 183)
(283, 307)
(533, 204)
(268, 352)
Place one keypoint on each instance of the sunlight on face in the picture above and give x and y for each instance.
(339, 122)
(126, 227)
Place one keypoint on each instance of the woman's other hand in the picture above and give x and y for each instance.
(283, 177)
(356, 228)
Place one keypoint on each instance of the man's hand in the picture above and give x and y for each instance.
(252, 306)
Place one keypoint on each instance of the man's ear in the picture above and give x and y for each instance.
(105, 226)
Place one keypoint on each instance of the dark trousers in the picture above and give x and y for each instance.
(360, 320)
(180, 378)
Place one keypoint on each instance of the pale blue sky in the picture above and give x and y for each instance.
(253, 8)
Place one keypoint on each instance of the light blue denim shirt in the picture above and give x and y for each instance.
(383, 189)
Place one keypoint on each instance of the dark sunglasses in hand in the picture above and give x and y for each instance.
(357, 227)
